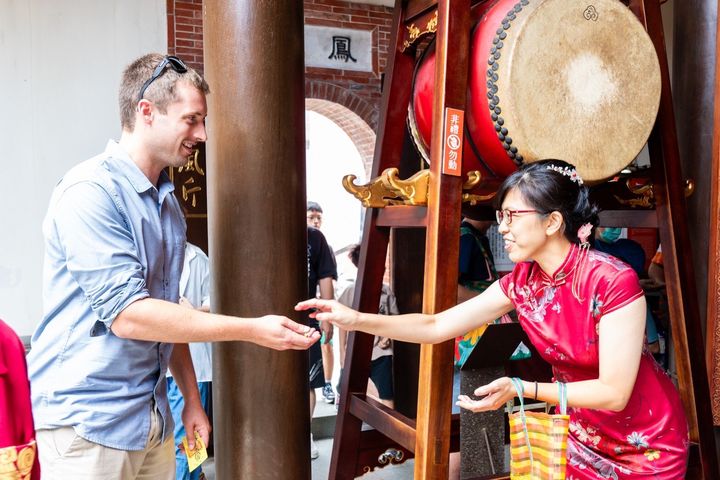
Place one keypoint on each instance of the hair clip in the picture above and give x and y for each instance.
(568, 172)
(584, 232)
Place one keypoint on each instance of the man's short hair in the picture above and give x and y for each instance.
(354, 254)
(161, 92)
(314, 207)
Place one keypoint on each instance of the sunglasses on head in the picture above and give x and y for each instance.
(170, 60)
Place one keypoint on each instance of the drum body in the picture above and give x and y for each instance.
(552, 79)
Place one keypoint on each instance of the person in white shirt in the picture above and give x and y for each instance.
(194, 293)
(380, 385)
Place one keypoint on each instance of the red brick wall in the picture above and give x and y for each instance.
(185, 31)
(358, 91)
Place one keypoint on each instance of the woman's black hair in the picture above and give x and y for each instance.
(549, 186)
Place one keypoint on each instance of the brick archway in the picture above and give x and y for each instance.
(355, 126)
(345, 97)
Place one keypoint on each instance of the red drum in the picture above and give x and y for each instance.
(577, 81)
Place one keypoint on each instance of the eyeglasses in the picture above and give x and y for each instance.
(174, 62)
(507, 215)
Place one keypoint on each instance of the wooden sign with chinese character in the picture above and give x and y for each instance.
(190, 184)
(191, 191)
(453, 141)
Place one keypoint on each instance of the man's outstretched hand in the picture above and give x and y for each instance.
(281, 333)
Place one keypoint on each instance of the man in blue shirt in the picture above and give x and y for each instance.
(114, 240)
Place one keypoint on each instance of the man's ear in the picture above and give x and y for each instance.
(145, 109)
(554, 223)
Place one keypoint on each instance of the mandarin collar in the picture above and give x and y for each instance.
(563, 272)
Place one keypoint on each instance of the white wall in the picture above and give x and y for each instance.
(60, 64)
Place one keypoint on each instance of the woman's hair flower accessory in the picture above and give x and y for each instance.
(568, 172)
(584, 232)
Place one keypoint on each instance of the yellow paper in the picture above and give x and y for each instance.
(197, 456)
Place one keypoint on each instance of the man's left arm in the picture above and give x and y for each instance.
(193, 416)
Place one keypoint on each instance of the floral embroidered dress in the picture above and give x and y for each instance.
(649, 438)
(18, 459)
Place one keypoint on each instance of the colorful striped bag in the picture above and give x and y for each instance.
(538, 441)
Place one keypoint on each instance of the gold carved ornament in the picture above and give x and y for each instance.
(388, 189)
(645, 194)
(474, 178)
(414, 32)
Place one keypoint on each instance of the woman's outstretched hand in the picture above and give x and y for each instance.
(331, 311)
(495, 395)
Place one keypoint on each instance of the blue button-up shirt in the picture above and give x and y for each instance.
(111, 238)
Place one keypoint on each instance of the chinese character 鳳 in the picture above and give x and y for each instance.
(341, 49)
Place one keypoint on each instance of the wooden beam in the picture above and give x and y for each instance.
(628, 218)
(684, 312)
(402, 216)
(442, 243)
(371, 268)
(713, 303)
(385, 420)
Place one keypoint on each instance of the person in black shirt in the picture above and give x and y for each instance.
(315, 219)
(321, 273)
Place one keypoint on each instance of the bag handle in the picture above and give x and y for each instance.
(520, 390)
(562, 395)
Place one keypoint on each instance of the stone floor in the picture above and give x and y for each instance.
(321, 466)
(323, 427)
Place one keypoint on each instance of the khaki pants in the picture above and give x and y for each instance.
(65, 455)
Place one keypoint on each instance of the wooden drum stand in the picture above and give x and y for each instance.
(433, 434)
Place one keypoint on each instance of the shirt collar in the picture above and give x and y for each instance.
(190, 253)
(134, 175)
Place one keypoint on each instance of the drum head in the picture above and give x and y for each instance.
(580, 83)
(552, 79)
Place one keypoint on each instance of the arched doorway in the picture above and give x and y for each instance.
(338, 143)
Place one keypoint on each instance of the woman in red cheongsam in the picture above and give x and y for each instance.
(584, 311)
(18, 453)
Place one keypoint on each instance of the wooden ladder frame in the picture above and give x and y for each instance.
(429, 436)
